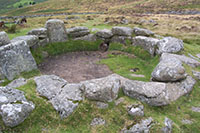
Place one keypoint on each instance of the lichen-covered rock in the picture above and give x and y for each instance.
(147, 43)
(103, 89)
(49, 85)
(187, 60)
(196, 74)
(90, 37)
(76, 32)
(14, 114)
(120, 39)
(15, 58)
(170, 69)
(31, 40)
(56, 31)
(97, 121)
(4, 38)
(14, 108)
(136, 110)
(142, 32)
(122, 31)
(169, 45)
(157, 93)
(17, 83)
(105, 33)
(142, 127)
(168, 126)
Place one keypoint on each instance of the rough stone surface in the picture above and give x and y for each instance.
(102, 105)
(136, 110)
(31, 40)
(17, 83)
(15, 58)
(56, 31)
(142, 127)
(196, 109)
(196, 74)
(198, 55)
(168, 126)
(98, 121)
(120, 39)
(170, 69)
(90, 37)
(14, 108)
(187, 60)
(105, 33)
(169, 45)
(142, 32)
(4, 38)
(103, 89)
(157, 93)
(122, 31)
(49, 85)
(186, 121)
(147, 43)
(76, 32)
(14, 114)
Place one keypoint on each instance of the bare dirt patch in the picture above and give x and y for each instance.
(76, 66)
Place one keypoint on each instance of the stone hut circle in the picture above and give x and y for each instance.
(169, 79)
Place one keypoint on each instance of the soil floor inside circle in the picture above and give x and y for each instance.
(76, 66)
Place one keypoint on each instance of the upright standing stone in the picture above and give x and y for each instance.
(56, 31)
(15, 58)
(4, 38)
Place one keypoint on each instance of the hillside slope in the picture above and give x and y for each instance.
(110, 6)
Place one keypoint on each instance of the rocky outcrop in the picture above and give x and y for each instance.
(102, 89)
(169, 69)
(136, 110)
(31, 40)
(77, 32)
(105, 33)
(98, 121)
(17, 83)
(15, 58)
(41, 33)
(196, 74)
(169, 45)
(4, 38)
(14, 108)
(56, 31)
(157, 93)
(90, 37)
(61, 94)
(142, 127)
(187, 60)
(142, 32)
(120, 39)
(147, 43)
(168, 126)
(122, 31)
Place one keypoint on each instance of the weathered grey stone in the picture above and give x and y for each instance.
(120, 39)
(15, 58)
(9, 95)
(63, 106)
(196, 74)
(147, 43)
(102, 89)
(40, 32)
(102, 105)
(90, 37)
(187, 122)
(4, 38)
(98, 121)
(142, 127)
(14, 114)
(196, 109)
(122, 31)
(31, 40)
(136, 110)
(105, 33)
(142, 32)
(76, 29)
(17, 83)
(170, 69)
(56, 31)
(187, 60)
(198, 55)
(77, 32)
(157, 93)
(168, 126)
(49, 85)
(169, 45)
